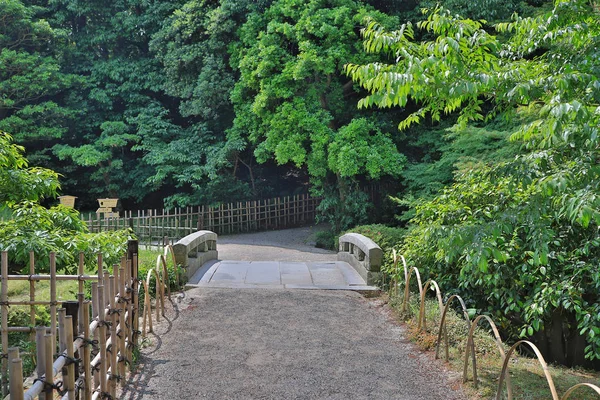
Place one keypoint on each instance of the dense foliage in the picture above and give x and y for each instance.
(30, 227)
(196, 102)
(520, 237)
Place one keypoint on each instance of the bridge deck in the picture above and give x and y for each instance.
(330, 275)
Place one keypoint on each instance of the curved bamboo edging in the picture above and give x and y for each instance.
(542, 363)
(395, 258)
(147, 304)
(422, 319)
(471, 343)
(443, 326)
(169, 249)
(161, 266)
(162, 286)
(575, 387)
(408, 274)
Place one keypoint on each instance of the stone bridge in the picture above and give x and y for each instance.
(356, 268)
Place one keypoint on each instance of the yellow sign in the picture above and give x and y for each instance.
(67, 201)
(108, 202)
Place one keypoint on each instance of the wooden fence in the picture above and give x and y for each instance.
(99, 341)
(153, 226)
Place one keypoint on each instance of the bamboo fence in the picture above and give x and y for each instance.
(155, 226)
(96, 336)
(470, 355)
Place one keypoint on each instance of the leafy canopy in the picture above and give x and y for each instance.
(520, 237)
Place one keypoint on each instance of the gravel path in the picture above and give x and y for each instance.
(285, 245)
(283, 344)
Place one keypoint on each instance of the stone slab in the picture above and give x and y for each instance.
(326, 274)
(334, 275)
(351, 276)
(295, 273)
(263, 273)
(231, 272)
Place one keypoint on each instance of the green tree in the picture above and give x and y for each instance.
(31, 78)
(121, 100)
(32, 227)
(519, 238)
(18, 181)
(294, 105)
(193, 48)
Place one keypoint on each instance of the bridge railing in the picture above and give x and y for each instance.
(193, 250)
(363, 254)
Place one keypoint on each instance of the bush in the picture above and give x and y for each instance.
(58, 229)
(326, 240)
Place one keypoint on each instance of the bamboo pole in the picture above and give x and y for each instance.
(129, 319)
(48, 368)
(16, 378)
(102, 341)
(62, 342)
(49, 343)
(87, 371)
(40, 331)
(165, 276)
(135, 296)
(69, 380)
(112, 386)
(57, 277)
(4, 327)
(106, 280)
(53, 298)
(123, 331)
(96, 332)
(15, 372)
(32, 293)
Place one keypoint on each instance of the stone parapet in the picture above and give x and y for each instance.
(363, 254)
(194, 250)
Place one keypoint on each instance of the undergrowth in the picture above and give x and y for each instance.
(526, 374)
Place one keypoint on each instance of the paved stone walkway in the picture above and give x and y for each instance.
(332, 275)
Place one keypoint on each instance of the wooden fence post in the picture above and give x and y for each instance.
(102, 341)
(40, 331)
(32, 294)
(112, 385)
(49, 348)
(16, 377)
(87, 370)
(69, 380)
(53, 298)
(4, 327)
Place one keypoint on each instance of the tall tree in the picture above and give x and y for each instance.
(193, 47)
(32, 80)
(294, 105)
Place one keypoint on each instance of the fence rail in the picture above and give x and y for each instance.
(100, 340)
(154, 226)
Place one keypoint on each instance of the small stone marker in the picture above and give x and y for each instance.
(107, 208)
(67, 201)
